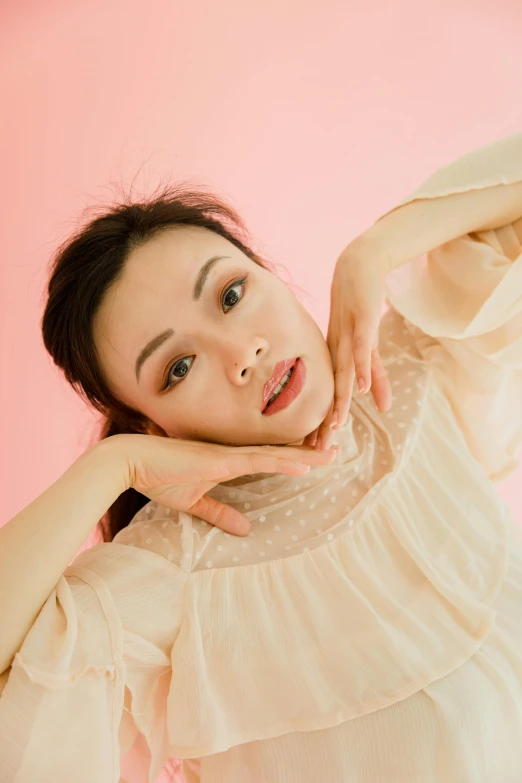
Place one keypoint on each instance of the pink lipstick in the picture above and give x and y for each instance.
(293, 387)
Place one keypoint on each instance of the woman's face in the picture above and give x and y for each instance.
(205, 381)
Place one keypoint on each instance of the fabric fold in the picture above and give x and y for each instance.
(362, 584)
(70, 664)
(463, 303)
(401, 600)
(496, 163)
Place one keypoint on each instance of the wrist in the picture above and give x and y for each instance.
(113, 454)
(407, 231)
(368, 249)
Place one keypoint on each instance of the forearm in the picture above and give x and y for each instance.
(420, 226)
(37, 545)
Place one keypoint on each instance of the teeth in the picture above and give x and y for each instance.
(281, 385)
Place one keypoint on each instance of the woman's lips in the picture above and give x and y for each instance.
(292, 390)
(280, 371)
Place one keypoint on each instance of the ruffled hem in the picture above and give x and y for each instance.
(463, 305)
(57, 677)
(400, 600)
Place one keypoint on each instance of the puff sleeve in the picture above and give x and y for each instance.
(87, 686)
(62, 703)
(463, 303)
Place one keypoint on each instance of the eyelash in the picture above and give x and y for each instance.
(168, 384)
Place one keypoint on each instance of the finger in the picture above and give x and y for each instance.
(228, 518)
(266, 459)
(269, 460)
(313, 441)
(381, 387)
(326, 434)
(276, 451)
(306, 455)
(362, 350)
(220, 515)
(344, 375)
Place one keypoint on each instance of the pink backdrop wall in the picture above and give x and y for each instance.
(313, 118)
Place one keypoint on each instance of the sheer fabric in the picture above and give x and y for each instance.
(369, 628)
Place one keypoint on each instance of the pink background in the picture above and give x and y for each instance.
(312, 118)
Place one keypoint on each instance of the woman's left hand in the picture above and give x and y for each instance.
(356, 304)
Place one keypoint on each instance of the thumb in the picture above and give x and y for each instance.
(220, 515)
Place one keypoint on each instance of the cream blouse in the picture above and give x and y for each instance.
(369, 627)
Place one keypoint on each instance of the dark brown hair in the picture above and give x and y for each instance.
(82, 270)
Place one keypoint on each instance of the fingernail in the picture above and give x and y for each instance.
(361, 384)
(334, 421)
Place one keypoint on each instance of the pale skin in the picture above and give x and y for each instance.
(403, 234)
(230, 341)
(232, 354)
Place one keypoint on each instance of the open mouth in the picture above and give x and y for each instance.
(287, 390)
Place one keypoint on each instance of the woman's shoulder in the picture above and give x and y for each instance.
(141, 557)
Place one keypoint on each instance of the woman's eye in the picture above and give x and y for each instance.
(234, 298)
(225, 302)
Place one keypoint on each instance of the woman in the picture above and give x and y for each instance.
(359, 623)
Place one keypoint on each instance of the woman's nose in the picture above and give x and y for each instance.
(243, 362)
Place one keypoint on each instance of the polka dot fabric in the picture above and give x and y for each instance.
(295, 515)
(370, 626)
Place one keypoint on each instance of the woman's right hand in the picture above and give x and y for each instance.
(177, 473)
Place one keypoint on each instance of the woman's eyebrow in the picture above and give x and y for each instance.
(197, 290)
